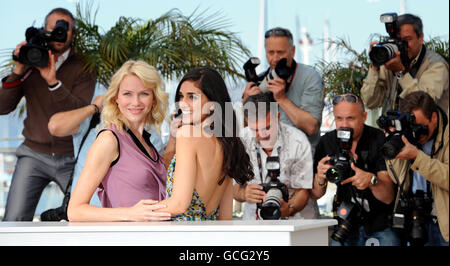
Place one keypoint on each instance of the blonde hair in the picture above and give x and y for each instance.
(151, 79)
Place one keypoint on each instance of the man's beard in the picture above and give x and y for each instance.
(59, 50)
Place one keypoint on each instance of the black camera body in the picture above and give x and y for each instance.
(57, 214)
(410, 215)
(348, 215)
(275, 191)
(385, 50)
(281, 70)
(35, 52)
(341, 163)
(404, 124)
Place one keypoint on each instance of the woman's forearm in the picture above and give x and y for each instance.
(173, 206)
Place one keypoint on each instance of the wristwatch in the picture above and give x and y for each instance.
(374, 180)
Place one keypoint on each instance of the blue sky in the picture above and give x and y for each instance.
(353, 20)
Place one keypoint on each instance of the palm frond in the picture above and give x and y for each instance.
(173, 43)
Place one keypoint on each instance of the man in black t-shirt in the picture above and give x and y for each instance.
(364, 196)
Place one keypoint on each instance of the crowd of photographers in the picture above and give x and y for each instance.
(392, 182)
(374, 205)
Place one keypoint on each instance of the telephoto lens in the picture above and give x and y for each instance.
(382, 52)
(272, 205)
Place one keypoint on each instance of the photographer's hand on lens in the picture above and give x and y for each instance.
(322, 168)
(408, 152)
(146, 210)
(277, 87)
(250, 89)
(19, 68)
(49, 73)
(395, 64)
(361, 179)
(254, 193)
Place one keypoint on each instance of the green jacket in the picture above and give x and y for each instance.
(434, 169)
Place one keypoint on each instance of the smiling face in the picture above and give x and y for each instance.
(134, 100)
(191, 102)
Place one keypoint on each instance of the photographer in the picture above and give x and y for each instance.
(61, 85)
(267, 137)
(300, 96)
(424, 70)
(424, 168)
(364, 192)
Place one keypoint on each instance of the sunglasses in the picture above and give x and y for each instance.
(350, 98)
(279, 32)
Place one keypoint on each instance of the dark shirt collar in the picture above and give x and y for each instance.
(146, 137)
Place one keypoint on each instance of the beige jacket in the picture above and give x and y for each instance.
(434, 169)
(432, 77)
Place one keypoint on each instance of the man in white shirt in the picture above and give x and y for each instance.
(266, 136)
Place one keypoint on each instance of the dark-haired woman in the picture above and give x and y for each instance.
(208, 154)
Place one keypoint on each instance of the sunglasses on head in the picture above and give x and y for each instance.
(279, 32)
(350, 98)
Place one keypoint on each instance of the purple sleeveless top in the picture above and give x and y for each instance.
(134, 176)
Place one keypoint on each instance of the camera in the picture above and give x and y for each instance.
(348, 215)
(35, 52)
(385, 50)
(281, 70)
(341, 163)
(404, 124)
(410, 215)
(57, 214)
(275, 191)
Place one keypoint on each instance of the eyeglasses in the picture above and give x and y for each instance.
(279, 32)
(351, 98)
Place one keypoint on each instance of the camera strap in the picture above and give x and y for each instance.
(413, 72)
(401, 186)
(258, 158)
(291, 78)
(93, 123)
(415, 68)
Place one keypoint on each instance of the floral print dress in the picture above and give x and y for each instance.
(196, 210)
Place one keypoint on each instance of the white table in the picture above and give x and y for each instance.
(208, 233)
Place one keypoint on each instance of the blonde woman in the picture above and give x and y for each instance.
(122, 164)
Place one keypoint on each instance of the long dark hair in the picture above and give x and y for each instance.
(236, 160)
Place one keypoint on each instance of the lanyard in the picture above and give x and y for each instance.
(258, 157)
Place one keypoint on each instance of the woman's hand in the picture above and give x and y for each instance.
(145, 210)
